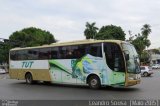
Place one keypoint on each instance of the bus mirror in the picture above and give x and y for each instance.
(127, 57)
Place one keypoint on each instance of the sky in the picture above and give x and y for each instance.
(66, 19)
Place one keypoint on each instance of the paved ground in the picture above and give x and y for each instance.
(18, 90)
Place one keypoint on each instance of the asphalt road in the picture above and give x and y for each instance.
(17, 90)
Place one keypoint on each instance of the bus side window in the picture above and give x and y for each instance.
(44, 53)
(114, 57)
(95, 50)
(21, 55)
(76, 54)
(62, 54)
(81, 50)
(33, 54)
(13, 55)
(108, 55)
(55, 53)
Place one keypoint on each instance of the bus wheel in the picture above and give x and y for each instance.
(94, 82)
(29, 79)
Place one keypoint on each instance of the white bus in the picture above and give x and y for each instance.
(93, 62)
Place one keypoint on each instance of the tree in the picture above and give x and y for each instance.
(145, 57)
(32, 37)
(4, 52)
(141, 41)
(146, 30)
(26, 37)
(90, 31)
(111, 32)
(131, 37)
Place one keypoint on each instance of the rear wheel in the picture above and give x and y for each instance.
(145, 74)
(29, 78)
(94, 82)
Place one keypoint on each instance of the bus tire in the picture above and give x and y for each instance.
(29, 78)
(94, 82)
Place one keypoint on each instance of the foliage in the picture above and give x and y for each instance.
(32, 37)
(4, 51)
(145, 57)
(106, 32)
(26, 37)
(90, 31)
(141, 42)
(146, 30)
(111, 32)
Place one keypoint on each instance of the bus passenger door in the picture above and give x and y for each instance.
(115, 61)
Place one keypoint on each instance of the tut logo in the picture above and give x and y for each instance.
(27, 64)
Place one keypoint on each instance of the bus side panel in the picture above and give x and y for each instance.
(40, 74)
(77, 70)
(13, 73)
(37, 74)
(38, 68)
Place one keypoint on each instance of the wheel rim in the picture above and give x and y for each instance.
(94, 82)
(145, 74)
(28, 79)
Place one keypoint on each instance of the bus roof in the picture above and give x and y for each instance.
(76, 42)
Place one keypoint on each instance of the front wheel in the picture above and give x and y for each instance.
(29, 78)
(94, 82)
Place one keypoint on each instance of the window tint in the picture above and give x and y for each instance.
(55, 53)
(33, 54)
(70, 52)
(81, 51)
(13, 55)
(62, 52)
(19, 55)
(44, 53)
(76, 51)
(114, 57)
(142, 68)
(95, 50)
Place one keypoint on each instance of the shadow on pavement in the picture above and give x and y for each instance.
(125, 89)
(61, 86)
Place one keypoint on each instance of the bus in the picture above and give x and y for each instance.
(86, 62)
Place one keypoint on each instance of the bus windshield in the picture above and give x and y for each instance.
(133, 62)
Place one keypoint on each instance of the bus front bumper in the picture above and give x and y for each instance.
(133, 82)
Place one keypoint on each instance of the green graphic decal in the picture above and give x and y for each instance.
(77, 70)
(56, 64)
